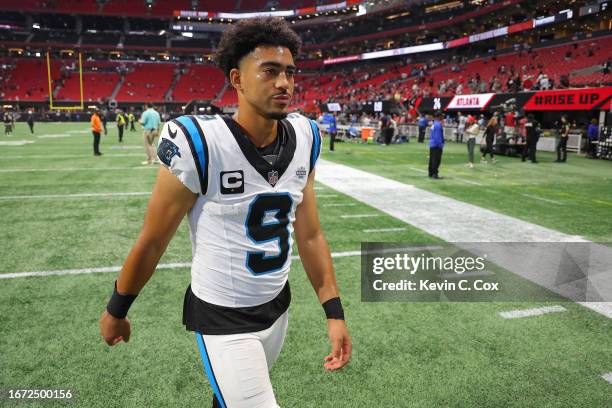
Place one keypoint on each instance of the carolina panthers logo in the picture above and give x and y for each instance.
(166, 151)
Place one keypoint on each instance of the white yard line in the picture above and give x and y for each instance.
(108, 269)
(417, 169)
(55, 136)
(359, 215)
(75, 169)
(384, 230)
(70, 196)
(327, 195)
(69, 156)
(84, 271)
(535, 197)
(446, 218)
(607, 377)
(340, 205)
(538, 311)
(15, 142)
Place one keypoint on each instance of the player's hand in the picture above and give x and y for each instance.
(114, 330)
(341, 343)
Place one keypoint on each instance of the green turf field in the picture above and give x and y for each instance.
(405, 354)
(573, 197)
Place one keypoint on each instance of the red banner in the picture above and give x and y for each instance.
(515, 28)
(307, 10)
(341, 59)
(458, 42)
(570, 99)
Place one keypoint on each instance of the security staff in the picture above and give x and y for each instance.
(132, 120)
(422, 127)
(120, 124)
(532, 128)
(436, 145)
(332, 130)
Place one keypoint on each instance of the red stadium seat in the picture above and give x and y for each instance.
(199, 82)
(146, 82)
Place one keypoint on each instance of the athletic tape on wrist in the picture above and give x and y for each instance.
(333, 309)
(119, 304)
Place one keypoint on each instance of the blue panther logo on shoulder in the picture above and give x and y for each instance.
(166, 151)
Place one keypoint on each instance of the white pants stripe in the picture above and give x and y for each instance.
(237, 365)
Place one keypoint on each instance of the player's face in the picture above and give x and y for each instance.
(267, 80)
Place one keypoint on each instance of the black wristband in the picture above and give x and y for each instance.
(333, 309)
(119, 304)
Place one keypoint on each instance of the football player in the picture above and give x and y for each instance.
(246, 183)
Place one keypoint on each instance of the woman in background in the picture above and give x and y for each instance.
(490, 132)
(472, 131)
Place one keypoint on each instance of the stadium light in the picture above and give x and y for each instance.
(36, 25)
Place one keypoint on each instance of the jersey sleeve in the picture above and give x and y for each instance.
(315, 149)
(310, 130)
(185, 158)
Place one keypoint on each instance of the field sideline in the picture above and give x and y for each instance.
(70, 216)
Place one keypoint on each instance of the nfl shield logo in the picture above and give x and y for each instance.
(273, 177)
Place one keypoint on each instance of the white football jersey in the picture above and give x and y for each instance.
(242, 221)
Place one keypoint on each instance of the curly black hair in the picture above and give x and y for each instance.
(243, 37)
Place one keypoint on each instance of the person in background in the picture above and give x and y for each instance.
(482, 121)
(332, 129)
(461, 120)
(120, 124)
(532, 130)
(150, 121)
(104, 118)
(593, 135)
(521, 126)
(30, 120)
(472, 131)
(385, 127)
(8, 122)
(395, 138)
(96, 130)
(436, 145)
(422, 126)
(564, 129)
(132, 120)
(509, 124)
(490, 132)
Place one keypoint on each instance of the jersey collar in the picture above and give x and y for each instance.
(287, 134)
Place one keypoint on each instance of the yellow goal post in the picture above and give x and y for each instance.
(56, 107)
